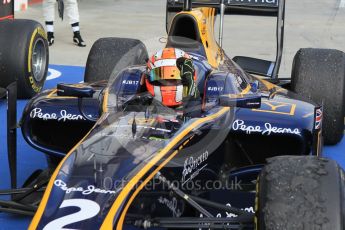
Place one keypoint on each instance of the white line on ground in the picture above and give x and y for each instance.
(342, 4)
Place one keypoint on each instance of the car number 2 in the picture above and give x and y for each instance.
(88, 209)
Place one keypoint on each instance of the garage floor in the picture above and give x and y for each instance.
(309, 23)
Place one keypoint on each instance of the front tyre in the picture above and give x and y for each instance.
(24, 56)
(300, 193)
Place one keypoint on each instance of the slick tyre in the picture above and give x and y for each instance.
(319, 74)
(300, 193)
(108, 56)
(24, 56)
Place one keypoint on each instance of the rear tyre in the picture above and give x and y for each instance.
(108, 56)
(24, 56)
(300, 192)
(319, 74)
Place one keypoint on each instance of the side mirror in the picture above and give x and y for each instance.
(74, 91)
(251, 101)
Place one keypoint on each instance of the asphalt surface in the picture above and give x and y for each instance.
(309, 23)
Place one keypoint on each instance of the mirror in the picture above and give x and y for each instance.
(74, 91)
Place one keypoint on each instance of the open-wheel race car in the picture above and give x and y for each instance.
(249, 158)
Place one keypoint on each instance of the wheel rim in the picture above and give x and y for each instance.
(39, 60)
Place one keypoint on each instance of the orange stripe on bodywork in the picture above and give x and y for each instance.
(105, 100)
(108, 222)
(246, 90)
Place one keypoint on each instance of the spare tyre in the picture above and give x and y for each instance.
(24, 56)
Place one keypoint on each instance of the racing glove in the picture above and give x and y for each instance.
(185, 65)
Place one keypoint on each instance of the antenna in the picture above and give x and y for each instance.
(187, 6)
(221, 27)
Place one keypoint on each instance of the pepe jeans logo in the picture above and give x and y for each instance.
(171, 204)
(63, 116)
(191, 167)
(269, 129)
(85, 191)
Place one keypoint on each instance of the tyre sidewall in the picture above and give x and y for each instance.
(31, 84)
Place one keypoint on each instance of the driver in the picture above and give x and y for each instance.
(171, 78)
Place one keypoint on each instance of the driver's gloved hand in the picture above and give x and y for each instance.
(185, 65)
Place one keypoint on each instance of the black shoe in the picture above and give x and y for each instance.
(78, 40)
(50, 38)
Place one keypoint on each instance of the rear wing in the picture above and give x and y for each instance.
(246, 7)
(268, 8)
(6, 9)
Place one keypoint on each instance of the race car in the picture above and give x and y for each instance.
(252, 159)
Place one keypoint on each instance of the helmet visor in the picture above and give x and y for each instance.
(164, 73)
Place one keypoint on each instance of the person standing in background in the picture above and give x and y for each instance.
(71, 7)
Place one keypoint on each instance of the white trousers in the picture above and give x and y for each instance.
(71, 10)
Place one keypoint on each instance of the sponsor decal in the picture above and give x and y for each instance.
(215, 89)
(277, 107)
(171, 204)
(318, 118)
(85, 209)
(192, 167)
(34, 86)
(268, 129)
(85, 191)
(63, 116)
(231, 215)
(130, 82)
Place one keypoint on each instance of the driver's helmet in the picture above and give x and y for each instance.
(163, 79)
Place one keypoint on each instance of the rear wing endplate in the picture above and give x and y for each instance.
(268, 8)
